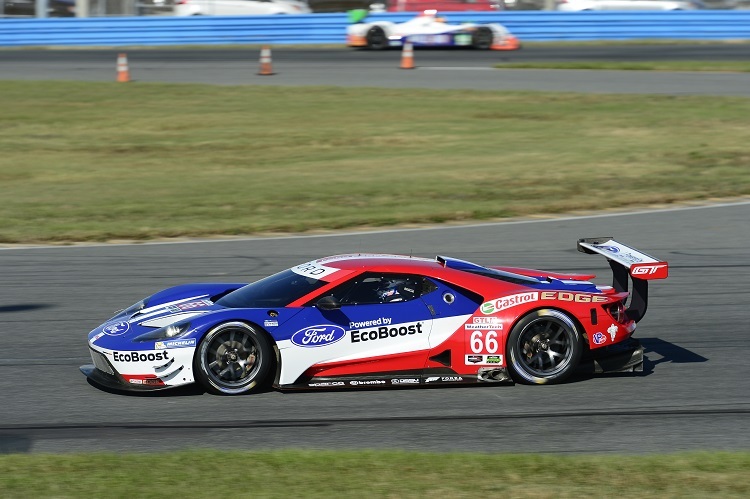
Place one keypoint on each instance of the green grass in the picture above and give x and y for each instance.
(721, 66)
(373, 474)
(106, 161)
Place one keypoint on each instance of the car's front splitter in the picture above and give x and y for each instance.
(116, 382)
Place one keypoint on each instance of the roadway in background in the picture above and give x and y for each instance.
(436, 69)
(692, 395)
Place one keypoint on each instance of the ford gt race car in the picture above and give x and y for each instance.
(371, 320)
(428, 30)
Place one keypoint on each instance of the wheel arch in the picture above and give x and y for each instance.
(567, 313)
(576, 321)
(275, 370)
(276, 367)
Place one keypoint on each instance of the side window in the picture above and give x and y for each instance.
(371, 289)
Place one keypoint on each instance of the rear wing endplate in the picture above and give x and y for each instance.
(627, 262)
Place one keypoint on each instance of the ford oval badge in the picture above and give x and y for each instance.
(318, 336)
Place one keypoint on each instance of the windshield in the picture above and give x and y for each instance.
(278, 290)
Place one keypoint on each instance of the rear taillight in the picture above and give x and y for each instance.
(617, 311)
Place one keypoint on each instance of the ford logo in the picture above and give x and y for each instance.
(318, 336)
(611, 249)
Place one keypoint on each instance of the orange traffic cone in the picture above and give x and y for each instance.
(123, 73)
(407, 56)
(265, 61)
(507, 43)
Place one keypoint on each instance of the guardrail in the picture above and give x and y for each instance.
(331, 28)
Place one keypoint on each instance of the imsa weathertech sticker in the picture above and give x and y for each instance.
(484, 323)
(498, 304)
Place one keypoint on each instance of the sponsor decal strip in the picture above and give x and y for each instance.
(505, 302)
(483, 360)
(385, 332)
(161, 345)
(139, 356)
(574, 297)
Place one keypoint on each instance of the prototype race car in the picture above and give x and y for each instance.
(427, 30)
(371, 320)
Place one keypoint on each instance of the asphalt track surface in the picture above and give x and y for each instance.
(692, 395)
(436, 69)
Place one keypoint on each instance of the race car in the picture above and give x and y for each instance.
(373, 320)
(427, 30)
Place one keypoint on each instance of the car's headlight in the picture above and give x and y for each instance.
(172, 331)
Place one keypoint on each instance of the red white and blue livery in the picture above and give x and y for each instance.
(372, 320)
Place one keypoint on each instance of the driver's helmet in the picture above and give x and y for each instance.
(395, 290)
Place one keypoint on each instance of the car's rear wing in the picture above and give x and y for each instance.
(626, 261)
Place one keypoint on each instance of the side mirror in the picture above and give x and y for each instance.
(328, 303)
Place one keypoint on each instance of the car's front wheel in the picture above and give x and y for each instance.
(376, 38)
(233, 358)
(482, 38)
(544, 347)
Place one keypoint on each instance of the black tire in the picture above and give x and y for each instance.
(544, 347)
(482, 38)
(232, 359)
(376, 38)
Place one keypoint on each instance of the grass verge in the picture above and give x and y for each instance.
(714, 66)
(101, 161)
(373, 474)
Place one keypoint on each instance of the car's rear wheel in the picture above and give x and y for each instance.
(376, 38)
(482, 38)
(233, 358)
(544, 347)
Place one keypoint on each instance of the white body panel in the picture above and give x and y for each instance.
(421, 25)
(295, 360)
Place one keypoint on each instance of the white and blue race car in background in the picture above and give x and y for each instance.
(428, 30)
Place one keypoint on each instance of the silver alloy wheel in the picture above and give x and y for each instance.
(233, 358)
(544, 347)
